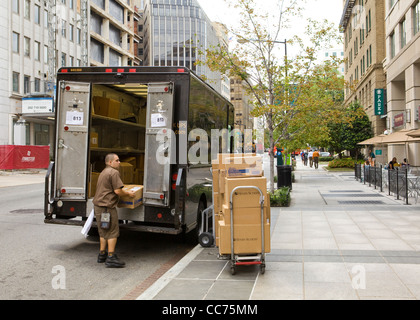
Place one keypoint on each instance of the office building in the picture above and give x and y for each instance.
(402, 66)
(363, 28)
(175, 31)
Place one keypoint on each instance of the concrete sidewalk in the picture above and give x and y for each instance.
(339, 239)
(21, 177)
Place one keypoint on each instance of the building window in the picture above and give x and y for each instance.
(392, 44)
(27, 10)
(78, 36)
(63, 59)
(15, 6)
(26, 84)
(27, 47)
(37, 85)
(71, 32)
(45, 19)
(15, 42)
(416, 18)
(37, 14)
(16, 82)
(391, 3)
(63, 28)
(403, 36)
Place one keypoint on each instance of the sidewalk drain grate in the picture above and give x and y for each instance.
(337, 191)
(349, 195)
(361, 202)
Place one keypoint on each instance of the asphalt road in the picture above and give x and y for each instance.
(41, 261)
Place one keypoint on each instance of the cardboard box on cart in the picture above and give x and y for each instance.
(228, 168)
(246, 217)
(247, 238)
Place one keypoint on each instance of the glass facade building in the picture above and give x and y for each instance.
(174, 32)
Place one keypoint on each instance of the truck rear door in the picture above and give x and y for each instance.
(72, 138)
(159, 139)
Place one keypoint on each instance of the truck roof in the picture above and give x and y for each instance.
(124, 69)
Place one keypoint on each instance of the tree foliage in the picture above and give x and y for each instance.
(297, 97)
(354, 127)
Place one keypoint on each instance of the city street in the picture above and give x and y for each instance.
(40, 261)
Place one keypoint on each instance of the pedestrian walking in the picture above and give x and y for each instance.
(310, 156)
(108, 191)
(305, 159)
(315, 158)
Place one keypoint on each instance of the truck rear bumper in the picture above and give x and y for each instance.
(123, 226)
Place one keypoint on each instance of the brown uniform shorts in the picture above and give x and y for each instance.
(114, 229)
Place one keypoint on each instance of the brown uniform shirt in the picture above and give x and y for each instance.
(108, 181)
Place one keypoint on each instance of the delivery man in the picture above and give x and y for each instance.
(108, 191)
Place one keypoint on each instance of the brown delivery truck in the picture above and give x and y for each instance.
(123, 110)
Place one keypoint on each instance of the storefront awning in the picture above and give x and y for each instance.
(401, 136)
(372, 141)
(415, 133)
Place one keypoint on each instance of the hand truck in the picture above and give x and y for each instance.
(258, 258)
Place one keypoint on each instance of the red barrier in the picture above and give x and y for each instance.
(24, 157)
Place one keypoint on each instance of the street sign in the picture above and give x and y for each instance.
(380, 100)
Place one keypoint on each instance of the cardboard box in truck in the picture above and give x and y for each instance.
(126, 172)
(92, 183)
(107, 107)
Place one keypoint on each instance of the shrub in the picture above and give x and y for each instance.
(342, 163)
(325, 159)
(280, 197)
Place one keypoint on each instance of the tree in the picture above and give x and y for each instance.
(293, 95)
(352, 129)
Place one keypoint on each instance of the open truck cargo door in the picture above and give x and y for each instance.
(160, 142)
(72, 139)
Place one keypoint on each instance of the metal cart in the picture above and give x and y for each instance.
(259, 257)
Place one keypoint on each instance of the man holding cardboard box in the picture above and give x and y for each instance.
(108, 190)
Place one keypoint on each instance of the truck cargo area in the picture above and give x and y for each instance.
(118, 126)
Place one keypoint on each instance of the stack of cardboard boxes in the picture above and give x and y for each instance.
(229, 172)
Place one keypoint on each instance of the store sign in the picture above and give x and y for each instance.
(37, 105)
(380, 100)
(399, 120)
